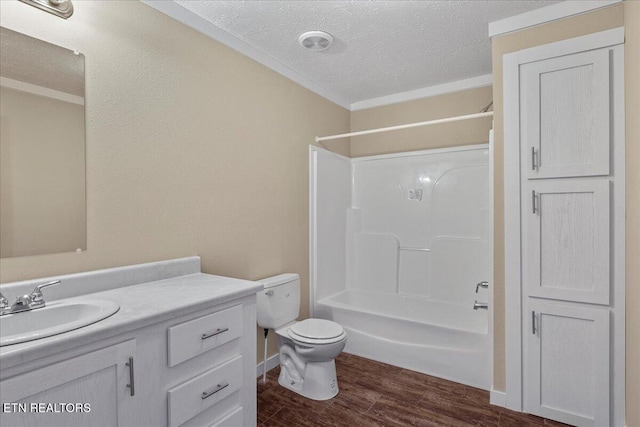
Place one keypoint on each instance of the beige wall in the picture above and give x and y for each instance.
(42, 175)
(437, 136)
(192, 148)
(626, 13)
(632, 90)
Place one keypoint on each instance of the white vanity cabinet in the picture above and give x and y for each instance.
(157, 362)
(92, 389)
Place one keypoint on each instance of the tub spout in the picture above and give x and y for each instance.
(481, 305)
(294, 365)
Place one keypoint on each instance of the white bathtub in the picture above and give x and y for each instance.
(445, 340)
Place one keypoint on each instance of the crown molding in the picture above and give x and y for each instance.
(426, 92)
(550, 13)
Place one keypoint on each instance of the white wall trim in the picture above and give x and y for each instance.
(545, 14)
(426, 92)
(272, 362)
(205, 27)
(593, 41)
(491, 301)
(618, 358)
(498, 398)
(41, 91)
(513, 258)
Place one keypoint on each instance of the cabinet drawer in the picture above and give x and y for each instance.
(234, 419)
(194, 337)
(204, 391)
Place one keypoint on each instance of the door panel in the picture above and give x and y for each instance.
(97, 381)
(567, 240)
(565, 116)
(568, 363)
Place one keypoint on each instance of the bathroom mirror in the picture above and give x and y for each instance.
(42, 147)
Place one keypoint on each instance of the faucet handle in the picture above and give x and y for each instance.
(37, 298)
(5, 308)
(4, 302)
(483, 285)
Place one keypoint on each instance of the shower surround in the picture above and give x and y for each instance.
(398, 244)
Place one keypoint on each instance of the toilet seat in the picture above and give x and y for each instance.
(317, 331)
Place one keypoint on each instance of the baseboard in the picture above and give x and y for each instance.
(498, 398)
(272, 362)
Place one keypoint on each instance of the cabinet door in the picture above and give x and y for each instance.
(566, 240)
(568, 363)
(564, 114)
(95, 381)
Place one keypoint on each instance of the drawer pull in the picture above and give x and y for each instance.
(213, 334)
(219, 387)
(131, 385)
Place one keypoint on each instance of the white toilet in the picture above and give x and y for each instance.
(307, 348)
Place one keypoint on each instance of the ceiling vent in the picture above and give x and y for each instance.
(316, 40)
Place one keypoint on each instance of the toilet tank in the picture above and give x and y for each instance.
(279, 302)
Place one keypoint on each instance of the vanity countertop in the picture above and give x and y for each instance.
(140, 305)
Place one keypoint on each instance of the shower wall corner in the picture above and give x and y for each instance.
(330, 198)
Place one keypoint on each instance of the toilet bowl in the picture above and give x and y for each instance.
(307, 364)
(307, 348)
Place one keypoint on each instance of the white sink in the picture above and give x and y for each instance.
(55, 318)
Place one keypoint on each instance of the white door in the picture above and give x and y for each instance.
(566, 239)
(98, 381)
(568, 363)
(565, 115)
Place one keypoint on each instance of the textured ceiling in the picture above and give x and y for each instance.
(381, 47)
(40, 63)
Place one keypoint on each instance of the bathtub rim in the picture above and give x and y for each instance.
(330, 302)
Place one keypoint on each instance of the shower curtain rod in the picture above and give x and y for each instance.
(407, 126)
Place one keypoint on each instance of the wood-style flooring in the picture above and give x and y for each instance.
(375, 394)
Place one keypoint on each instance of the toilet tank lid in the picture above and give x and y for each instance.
(278, 280)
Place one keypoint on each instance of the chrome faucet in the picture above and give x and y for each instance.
(481, 305)
(26, 302)
(483, 285)
(22, 303)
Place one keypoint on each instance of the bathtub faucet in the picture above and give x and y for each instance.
(484, 285)
(482, 305)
